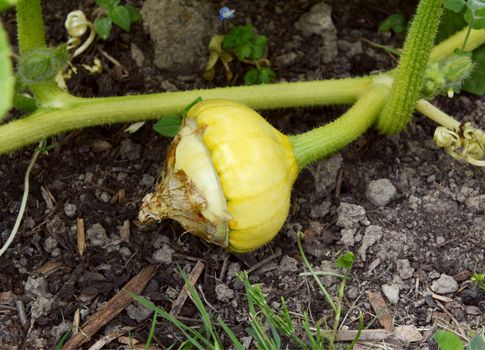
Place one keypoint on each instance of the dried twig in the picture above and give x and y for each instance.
(442, 298)
(81, 236)
(383, 315)
(184, 293)
(51, 267)
(7, 297)
(263, 262)
(125, 231)
(225, 263)
(457, 324)
(112, 308)
(110, 337)
(19, 304)
(402, 333)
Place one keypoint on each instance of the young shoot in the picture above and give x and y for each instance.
(242, 43)
(121, 15)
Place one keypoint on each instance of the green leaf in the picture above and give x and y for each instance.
(477, 343)
(260, 43)
(451, 22)
(454, 5)
(474, 21)
(168, 125)
(448, 341)
(260, 75)
(243, 52)
(7, 80)
(62, 341)
(394, 22)
(102, 26)
(476, 82)
(241, 41)
(135, 16)
(108, 4)
(5, 4)
(190, 105)
(121, 17)
(345, 261)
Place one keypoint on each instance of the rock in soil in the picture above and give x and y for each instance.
(391, 291)
(444, 285)
(319, 22)
(224, 293)
(351, 215)
(180, 31)
(380, 192)
(404, 269)
(163, 255)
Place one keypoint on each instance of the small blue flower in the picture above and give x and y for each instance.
(226, 13)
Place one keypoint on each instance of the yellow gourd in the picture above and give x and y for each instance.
(228, 177)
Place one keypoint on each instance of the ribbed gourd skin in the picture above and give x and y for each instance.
(256, 168)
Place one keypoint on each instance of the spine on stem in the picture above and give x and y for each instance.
(409, 77)
(322, 142)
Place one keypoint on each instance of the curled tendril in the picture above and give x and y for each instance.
(77, 25)
(464, 143)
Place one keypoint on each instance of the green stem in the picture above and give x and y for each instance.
(82, 113)
(325, 140)
(437, 115)
(31, 35)
(410, 73)
(476, 38)
(23, 203)
(49, 95)
(338, 313)
(467, 34)
(30, 25)
(24, 103)
(309, 267)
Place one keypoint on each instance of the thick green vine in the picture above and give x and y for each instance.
(410, 73)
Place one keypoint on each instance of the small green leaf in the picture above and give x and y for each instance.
(259, 47)
(259, 75)
(190, 105)
(62, 341)
(7, 80)
(474, 21)
(454, 5)
(451, 23)
(168, 125)
(345, 261)
(121, 17)
(476, 82)
(394, 22)
(5, 4)
(448, 341)
(102, 26)
(135, 16)
(108, 4)
(241, 41)
(476, 343)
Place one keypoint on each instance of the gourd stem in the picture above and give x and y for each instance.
(80, 113)
(325, 140)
